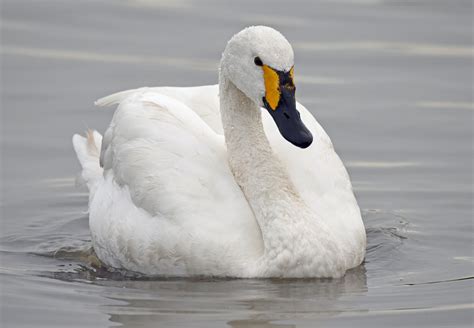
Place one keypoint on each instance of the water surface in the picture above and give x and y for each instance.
(391, 82)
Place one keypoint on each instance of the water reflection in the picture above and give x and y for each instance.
(246, 303)
(257, 323)
(241, 302)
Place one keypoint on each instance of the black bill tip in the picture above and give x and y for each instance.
(290, 125)
(303, 141)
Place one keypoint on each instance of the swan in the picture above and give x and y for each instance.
(221, 180)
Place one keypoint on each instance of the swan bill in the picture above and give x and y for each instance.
(272, 86)
(280, 102)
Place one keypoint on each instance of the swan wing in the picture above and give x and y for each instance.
(203, 100)
(170, 167)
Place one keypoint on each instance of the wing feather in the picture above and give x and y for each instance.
(174, 166)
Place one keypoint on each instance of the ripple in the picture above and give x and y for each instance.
(399, 48)
(381, 164)
(446, 105)
(386, 232)
(88, 56)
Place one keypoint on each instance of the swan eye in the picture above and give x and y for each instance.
(258, 61)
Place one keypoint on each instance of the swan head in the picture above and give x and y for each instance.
(259, 61)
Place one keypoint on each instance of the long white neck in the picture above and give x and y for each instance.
(290, 232)
(256, 169)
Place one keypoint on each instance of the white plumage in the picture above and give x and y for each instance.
(174, 196)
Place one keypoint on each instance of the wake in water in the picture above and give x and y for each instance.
(386, 233)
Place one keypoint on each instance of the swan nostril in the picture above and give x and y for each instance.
(286, 115)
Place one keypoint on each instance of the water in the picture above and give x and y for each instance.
(389, 80)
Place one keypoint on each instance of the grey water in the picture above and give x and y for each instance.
(391, 82)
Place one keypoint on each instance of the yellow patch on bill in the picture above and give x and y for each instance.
(272, 86)
(292, 74)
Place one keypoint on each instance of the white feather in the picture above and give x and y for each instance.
(172, 200)
(87, 150)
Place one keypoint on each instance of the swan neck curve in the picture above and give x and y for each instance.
(255, 167)
(292, 236)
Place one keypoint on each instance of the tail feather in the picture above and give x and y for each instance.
(88, 152)
(116, 98)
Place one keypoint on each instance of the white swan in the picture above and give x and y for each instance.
(201, 181)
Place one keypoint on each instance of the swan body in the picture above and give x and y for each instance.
(201, 181)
